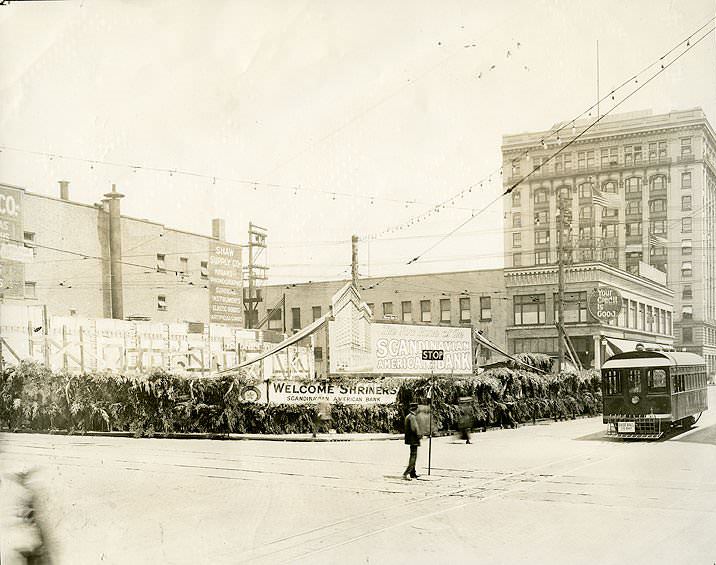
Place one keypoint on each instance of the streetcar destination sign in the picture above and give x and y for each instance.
(433, 354)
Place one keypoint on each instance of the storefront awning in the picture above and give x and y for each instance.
(623, 345)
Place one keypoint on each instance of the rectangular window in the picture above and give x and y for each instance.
(687, 312)
(406, 309)
(687, 292)
(685, 203)
(425, 311)
(686, 247)
(634, 380)
(669, 327)
(574, 307)
(161, 263)
(686, 225)
(632, 315)
(516, 198)
(515, 167)
(628, 154)
(637, 154)
(30, 289)
(686, 180)
(516, 240)
(318, 354)
(275, 321)
(542, 218)
(316, 311)
(542, 237)
(529, 309)
(183, 265)
(29, 241)
(642, 317)
(687, 335)
(516, 220)
(610, 212)
(162, 303)
(609, 231)
(445, 310)
(485, 308)
(585, 159)
(656, 380)
(649, 319)
(387, 309)
(657, 227)
(586, 232)
(465, 315)
(609, 156)
(295, 319)
(612, 382)
(517, 259)
(633, 228)
(542, 257)
(204, 270)
(686, 147)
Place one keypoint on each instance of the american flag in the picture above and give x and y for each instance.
(605, 199)
(657, 240)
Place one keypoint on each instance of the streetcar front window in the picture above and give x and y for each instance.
(612, 382)
(656, 380)
(634, 377)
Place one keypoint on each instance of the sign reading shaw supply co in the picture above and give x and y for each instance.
(226, 300)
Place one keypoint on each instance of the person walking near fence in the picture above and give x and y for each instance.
(412, 438)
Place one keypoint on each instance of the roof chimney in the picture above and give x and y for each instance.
(64, 190)
(218, 228)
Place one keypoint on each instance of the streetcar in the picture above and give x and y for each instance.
(646, 393)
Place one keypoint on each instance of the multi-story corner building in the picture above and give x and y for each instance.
(657, 176)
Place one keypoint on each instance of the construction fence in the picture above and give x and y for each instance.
(80, 345)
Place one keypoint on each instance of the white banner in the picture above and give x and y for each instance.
(296, 392)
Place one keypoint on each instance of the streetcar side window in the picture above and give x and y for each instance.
(634, 376)
(656, 380)
(678, 383)
(612, 383)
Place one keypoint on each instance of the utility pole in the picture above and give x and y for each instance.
(560, 282)
(354, 260)
(255, 274)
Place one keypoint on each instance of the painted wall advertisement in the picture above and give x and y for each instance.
(226, 305)
(397, 349)
(296, 392)
(12, 256)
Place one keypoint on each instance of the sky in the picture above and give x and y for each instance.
(318, 120)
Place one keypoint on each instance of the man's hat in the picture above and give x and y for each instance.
(413, 405)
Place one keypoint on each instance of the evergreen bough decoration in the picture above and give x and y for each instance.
(34, 398)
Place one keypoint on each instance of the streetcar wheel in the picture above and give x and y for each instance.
(688, 422)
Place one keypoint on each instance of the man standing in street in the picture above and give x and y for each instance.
(412, 438)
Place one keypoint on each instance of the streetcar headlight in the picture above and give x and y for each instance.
(635, 399)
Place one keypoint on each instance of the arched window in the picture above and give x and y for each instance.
(585, 190)
(541, 196)
(610, 186)
(658, 182)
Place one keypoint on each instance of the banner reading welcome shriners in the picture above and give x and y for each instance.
(226, 303)
(296, 392)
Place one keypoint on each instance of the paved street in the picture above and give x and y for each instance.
(551, 493)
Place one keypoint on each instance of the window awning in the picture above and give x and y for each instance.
(623, 345)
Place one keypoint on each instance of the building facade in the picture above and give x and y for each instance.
(657, 175)
(646, 314)
(475, 298)
(164, 272)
